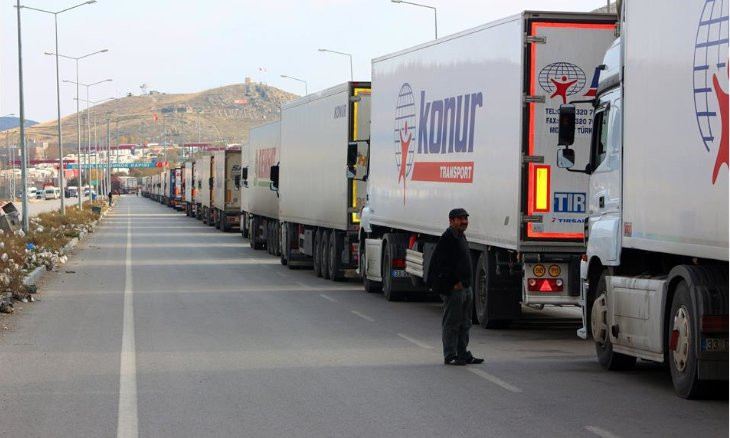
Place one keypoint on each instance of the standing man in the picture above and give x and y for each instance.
(450, 274)
(110, 198)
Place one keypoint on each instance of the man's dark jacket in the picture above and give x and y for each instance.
(450, 263)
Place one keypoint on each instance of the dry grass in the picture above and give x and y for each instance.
(43, 245)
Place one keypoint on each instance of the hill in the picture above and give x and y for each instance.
(13, 122)
(217, 116)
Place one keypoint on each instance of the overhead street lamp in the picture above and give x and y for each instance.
(78, 115)
(96, 143)
(341, 53)
(435, 22)
(88, 120)
(297, 79)
(58, 90)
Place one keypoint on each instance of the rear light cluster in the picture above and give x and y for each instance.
(398, 263)
(715, 324)
(544, 285)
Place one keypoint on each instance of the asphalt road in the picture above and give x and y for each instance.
(160, 326)
(37, 206)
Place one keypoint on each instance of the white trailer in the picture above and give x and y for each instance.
(200, 163)
(468, 121)
(165, 195)
(226, 196)
(320, 183)
(259, 204)
(655, 277)
(189, 187)
(205, 187)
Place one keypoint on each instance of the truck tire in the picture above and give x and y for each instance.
(218, 220)
(205, 215)
(277, 238)
(224, 223)
(333, 259)
(388, 291)
(600, 329)
(324, 261)
(284, 258)
(683, 358)
(253, 239)
(369, 285)
(484, 291)
(316, 258)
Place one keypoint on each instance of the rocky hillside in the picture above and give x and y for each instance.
(220, 115)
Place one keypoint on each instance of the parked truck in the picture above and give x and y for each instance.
(319, 182)
(175, 199)
(165, 195)
(225, 198)
(468, 121)
(655, 276)
(189, 187)
(205, 187)
(259, 204)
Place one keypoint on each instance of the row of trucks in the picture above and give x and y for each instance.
(357, 180)
(206, 188)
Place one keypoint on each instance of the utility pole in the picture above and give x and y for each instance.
(108, 156)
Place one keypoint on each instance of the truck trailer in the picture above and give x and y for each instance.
(259, 204)
(655, 275)
(200, 164)
(189, 187)
(226, 196)
(175, 199)
(469, 121)
(317, 179)
(205, 187)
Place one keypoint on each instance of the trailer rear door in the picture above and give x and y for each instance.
(562, 56)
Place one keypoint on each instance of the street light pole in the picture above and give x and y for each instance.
(58, 94)
(78, 115)
(435, 21)
(23, 169)
(341, 53)
(297, 79)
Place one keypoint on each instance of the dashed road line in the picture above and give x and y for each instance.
(600, 432)
(365, 317)
(413, 341)
(328, 298)
(496, 380)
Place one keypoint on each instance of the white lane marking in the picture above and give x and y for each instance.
(600, 432)
(365, 317)
(496, 380)
(128, 426)
(419, 343)
(328, 298)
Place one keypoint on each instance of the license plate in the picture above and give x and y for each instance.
(398, 273)
(714, 344)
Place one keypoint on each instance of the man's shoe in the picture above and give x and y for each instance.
(454, 361)
(474, 360)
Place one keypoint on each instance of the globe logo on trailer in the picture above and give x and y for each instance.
(710, 77)
(562, 79)
(405, 134)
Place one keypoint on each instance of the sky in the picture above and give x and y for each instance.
(184, 46)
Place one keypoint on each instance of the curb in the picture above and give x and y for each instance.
(36, 274)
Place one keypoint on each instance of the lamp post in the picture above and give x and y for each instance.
(341, 53)
(58, 92)
(23, 165)
(96, 144)
(78, 115)
(297, 79)
(88, 122)
(435, 21)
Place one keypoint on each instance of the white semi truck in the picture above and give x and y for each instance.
(205, 168)
(189, 187)
(225, 197)
(200, 163)
(319, 180)
(259, 204)
(655, 276)
(469, 121)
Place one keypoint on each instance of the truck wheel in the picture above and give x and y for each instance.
(333, 258)
(205, 216)
(224, 223)
(324, 262)
(277, 238)
(601, 333)
(483, 289)
(253, 234)
(218, 220)
(682, 345)
(316, 258)
(269, 244)
(388, 291)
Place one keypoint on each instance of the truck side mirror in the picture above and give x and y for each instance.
(566, 125)
(566, 158)
(274, 176)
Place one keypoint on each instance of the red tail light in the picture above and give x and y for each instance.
(714, 324)
(545, 285)
(398, 263)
